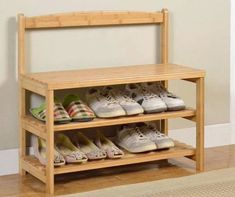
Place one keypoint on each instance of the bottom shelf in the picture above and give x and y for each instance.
(32, 165)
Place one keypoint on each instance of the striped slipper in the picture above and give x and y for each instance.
(77, 110)
(60, 114)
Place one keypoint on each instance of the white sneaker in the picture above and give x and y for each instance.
(172, 101)
(133, 140)
(161, 140)
(148, 100)
(104, 105)
(128, 104)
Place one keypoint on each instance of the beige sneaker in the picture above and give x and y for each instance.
(149, 101)
(130, 106)
(133, 140)
(172, 101)
(161, 140)
(103, 103)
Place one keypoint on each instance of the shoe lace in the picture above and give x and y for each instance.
(110, 99)
(106, 94)
(128, 99)
(147, 94)
(163, 91)
(136, 132)
(158, 133)
(124, 97)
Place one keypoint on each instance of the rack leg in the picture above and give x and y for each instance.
(164, 126)
(22, 133)
(50, 141)
(200, 124)
(164, 123)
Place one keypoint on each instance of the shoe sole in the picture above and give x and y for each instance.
(176, 108)
(134, 112)
(82, 119)
(155, 110)
(138, 149)
(110, 115)
(164, 146)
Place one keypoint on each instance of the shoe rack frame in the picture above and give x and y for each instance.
(47, 83)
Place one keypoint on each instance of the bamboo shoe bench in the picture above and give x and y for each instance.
(46, 83)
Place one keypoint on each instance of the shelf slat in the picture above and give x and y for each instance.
(112, 76)
(180, 150)
(34, 125)
(32, 165)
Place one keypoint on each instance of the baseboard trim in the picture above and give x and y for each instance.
(9, 161)
(215, 135)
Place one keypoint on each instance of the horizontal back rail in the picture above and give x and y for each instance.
(83, 19)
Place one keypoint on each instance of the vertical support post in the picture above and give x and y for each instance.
(50, 141)
(164, 57)
(200, 124)
(22, 92)
(21, 44)
(22, 131)
(164, 37)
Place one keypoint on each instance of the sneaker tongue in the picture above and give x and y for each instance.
(160, 89)
(139, 134)
(141, 124)
(106, 93)
(106, 89)
(133, 86)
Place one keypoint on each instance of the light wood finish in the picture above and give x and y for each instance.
(22, 91)
(34, 125)
(34, 168)
(125, 120)
(21, 44)
(164, 37)
(215, 158)
(180, 150)
(50, 141)
(81, 19)
(200, 124)
(46, 83)
(22, 131)
(164, 58)
(115, 75)
(34, 86)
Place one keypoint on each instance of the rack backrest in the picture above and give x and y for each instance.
(87, 19)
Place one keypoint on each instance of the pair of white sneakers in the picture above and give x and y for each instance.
(142, 137)
(108, 102)
(154, 97)
(134, 99)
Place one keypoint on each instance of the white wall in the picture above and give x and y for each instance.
(232, 71)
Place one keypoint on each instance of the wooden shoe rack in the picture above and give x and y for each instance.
(46, 83)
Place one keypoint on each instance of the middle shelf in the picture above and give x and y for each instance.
(39, 128)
